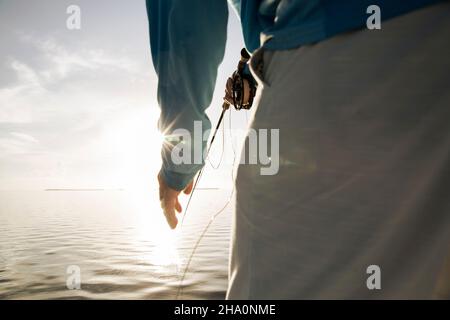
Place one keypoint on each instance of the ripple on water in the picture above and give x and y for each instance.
(41, 237)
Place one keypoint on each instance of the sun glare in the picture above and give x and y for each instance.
(153, 229)
(134, 144)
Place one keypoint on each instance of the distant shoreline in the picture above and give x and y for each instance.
(101, 189)
(75, 189)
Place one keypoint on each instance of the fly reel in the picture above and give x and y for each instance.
(240, 88)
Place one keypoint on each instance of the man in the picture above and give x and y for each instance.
(360, 205)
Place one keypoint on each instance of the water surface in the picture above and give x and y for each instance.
(118, 239)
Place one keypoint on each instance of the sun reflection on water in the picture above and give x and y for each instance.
(153, 229)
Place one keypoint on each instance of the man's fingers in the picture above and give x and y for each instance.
(168, 206)
(169, 201)
(178, 206)
(161, 188)
(229, 91)
(189, 188)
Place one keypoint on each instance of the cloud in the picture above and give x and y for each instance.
(64, 62)
(28, 84)
(58, 103)
(57, 63)
(24, 137)
(54, 76)
(62, 92)
(17, 143)
(28, 78)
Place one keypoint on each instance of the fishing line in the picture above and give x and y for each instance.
(239, 92)
(246, 117)
(225, 107)
(211, 220)
(231, 135)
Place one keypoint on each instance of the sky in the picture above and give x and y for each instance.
(78, 108)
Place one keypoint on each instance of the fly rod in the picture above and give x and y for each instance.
(239, 92)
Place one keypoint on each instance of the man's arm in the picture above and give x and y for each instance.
(187, 41)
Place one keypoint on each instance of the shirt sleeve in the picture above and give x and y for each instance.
(187, 40)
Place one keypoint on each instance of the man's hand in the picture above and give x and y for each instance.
(169, 201)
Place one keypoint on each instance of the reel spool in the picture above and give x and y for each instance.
(241, 87)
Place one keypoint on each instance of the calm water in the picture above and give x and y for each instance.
(118, 239)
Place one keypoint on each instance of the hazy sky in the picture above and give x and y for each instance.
(78, 107)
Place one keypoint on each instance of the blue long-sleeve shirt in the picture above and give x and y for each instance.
(187, 39)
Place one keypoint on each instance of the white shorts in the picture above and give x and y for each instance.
(364, 121)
